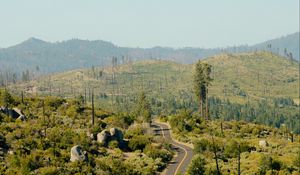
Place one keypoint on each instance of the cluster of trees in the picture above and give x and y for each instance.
(267, 164)
(10, 76)
(220, 149)
(274, 113)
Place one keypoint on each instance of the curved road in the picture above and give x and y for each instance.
(184, 154)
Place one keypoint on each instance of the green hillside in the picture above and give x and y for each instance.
(238, 78)
(258, 87)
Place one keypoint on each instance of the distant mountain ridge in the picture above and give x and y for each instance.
(35, 54)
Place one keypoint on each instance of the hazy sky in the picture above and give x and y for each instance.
(148, 23)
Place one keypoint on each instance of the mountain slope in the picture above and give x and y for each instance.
(45, 57)
(236, 76)
(278, 45)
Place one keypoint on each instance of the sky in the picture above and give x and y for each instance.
(149, 23)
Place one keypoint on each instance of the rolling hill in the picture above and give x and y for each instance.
(41, 57)
(258, 87)
(237, 77)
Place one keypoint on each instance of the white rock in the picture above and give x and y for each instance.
(77, 154)
(112, 131)
(102, 136)
(263, 143)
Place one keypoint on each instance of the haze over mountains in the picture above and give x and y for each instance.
(75, 53)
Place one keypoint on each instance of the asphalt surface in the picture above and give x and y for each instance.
(184, 154)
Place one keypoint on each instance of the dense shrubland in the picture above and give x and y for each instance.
(41, 144)
(241, 128)
(228, 140)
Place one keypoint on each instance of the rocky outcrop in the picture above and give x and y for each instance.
(77, 154)
(113, 134)
(103, 136)
(112, 131)
(14, 113)
(22, 118)
(116, 134)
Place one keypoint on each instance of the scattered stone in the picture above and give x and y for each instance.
(263, 143)
(77, 154)
(264, 132)
(90, 135)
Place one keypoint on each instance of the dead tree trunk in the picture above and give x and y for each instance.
(239, 160)
(206, 105)
(22, 96)
(216, 156)
(93, 109)
(201, 106)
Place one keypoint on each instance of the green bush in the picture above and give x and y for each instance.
(54, 102)
(268, 163)
(197, 166)
(31, 162)
(134, 131)
(139, 142)
(113, 144)
(232, 148)
(155, 153)
(296, 160)
(48, 170)
(202, 145)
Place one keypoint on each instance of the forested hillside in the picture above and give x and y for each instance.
(259, 87)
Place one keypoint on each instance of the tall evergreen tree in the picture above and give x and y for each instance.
(143, 110)
(201, 82)
(207, 82)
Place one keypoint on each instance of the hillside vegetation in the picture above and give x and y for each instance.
(259, 80)
(259, 75)
(248, 92)
(42, 142)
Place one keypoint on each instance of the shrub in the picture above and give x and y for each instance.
(134, 131)
(6, 99)
(31, 162)
(296, 161)
(48, 171)
(54, 102)
(155, 153)
(197, 166)
(268, 163)
(139, 142)
(202, 145)
(232, 149)
(179, 122)
(113, 144)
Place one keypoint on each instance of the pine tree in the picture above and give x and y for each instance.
(201, 82)
(143, 110)
(7, 100)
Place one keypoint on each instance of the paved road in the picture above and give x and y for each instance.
(184, 154)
